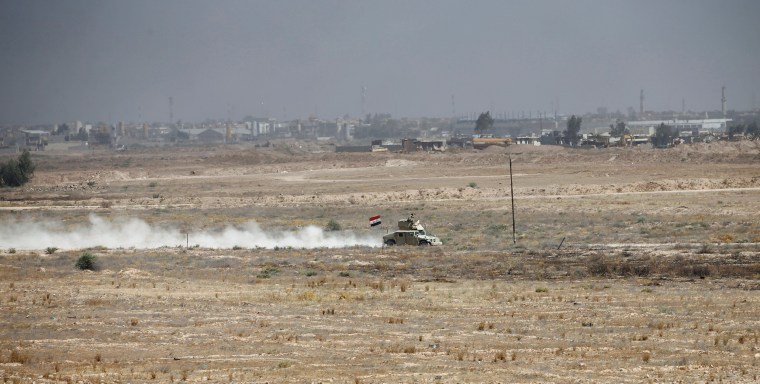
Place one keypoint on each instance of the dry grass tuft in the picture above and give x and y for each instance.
(19, 357)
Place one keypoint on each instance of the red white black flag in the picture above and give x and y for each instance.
(374, 220)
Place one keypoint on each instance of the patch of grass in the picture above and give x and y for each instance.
(19, 357)
(152, 184)
(473, 184)
(268, 272)
(333, 225)
(726, 238)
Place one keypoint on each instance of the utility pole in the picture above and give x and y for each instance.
(512, 195)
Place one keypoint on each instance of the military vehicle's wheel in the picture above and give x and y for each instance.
(424, 243)
(390, 242)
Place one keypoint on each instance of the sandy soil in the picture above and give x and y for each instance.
(656, 278)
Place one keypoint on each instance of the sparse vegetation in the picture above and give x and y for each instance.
(17, 172)
(268, 272)
(87, 261)
(333, 225)
(632, 276)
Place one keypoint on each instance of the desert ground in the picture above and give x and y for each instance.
(627, 265)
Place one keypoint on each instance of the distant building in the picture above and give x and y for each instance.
(648, 126)
(528, 140)
(35, 138)
(205, 135)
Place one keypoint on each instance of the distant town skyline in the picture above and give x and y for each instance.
(123, 61)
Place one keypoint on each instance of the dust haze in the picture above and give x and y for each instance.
(121, 61)
(136, 233)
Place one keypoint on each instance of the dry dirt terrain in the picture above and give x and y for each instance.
(630, 265)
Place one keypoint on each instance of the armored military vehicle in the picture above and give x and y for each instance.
(410, 232)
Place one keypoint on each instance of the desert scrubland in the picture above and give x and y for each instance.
(630, 265)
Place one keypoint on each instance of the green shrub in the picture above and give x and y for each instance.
(50, 250)
(473, 184)
(17, 172)
(333, 225)
(268, 272)
(87, 261)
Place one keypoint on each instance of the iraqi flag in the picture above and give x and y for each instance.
(374, 220)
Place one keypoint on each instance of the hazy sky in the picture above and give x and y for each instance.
(112, 60)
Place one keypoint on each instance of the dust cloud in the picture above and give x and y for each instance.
(136, 233)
